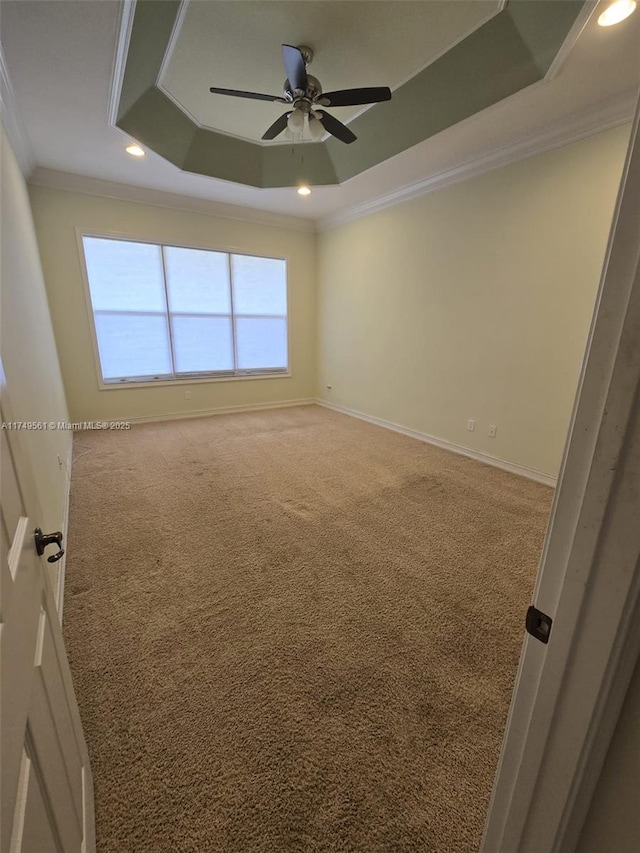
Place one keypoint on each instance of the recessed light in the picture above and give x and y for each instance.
(134, 150)
(617, 12)
(304, 191)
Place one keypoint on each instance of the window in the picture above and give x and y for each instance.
(168, 312)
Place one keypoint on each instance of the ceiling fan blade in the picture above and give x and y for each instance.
(355, 97)
(335, 127)
(277, 127)
(295, 67)
(254, 96)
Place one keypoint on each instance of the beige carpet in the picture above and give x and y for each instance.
(293, 631)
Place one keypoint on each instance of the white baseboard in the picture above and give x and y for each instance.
(520, 470)
(222, 410)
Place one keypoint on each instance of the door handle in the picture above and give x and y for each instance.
(44, 539)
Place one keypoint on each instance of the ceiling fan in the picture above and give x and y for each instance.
(303, 93)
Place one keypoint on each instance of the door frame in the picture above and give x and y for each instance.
(568, 694)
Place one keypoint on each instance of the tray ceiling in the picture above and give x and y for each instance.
(60, 63)
(237, 46)
(446, 61)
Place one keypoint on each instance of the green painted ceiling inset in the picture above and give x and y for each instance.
(508, 53)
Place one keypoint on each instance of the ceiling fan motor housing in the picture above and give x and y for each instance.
(306, 52)
(313, 90)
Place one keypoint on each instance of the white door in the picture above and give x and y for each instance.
(46, 794)
(569, 691)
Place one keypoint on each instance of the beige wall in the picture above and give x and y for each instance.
(473, 301)
(57, 214)
(27, 346)
(470, 302)
(613, 821)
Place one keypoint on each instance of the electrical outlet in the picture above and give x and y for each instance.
(471, 425)
(493, 429)
(187, 395)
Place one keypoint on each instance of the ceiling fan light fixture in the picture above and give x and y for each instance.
(617, 12)
(304, 190)
(316, 130)
(134, 150)
(295, 122)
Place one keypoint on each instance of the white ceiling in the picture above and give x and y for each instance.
(60, 59)
(360, 43)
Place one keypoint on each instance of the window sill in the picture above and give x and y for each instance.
(196, 380)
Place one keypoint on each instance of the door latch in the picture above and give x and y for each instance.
(44, 539)
(539, 624)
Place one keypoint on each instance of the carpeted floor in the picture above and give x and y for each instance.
(293, 632)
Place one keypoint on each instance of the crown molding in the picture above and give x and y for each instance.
(573, 128)
(12, 122)
(69, 182)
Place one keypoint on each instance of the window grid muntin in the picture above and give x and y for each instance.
(234, 335)
(166, 306)
(183, 375)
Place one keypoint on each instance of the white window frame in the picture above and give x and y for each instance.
(183, 378)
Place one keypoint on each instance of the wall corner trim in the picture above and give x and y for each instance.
(584, 16)
(494, 461)
(124, 27)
